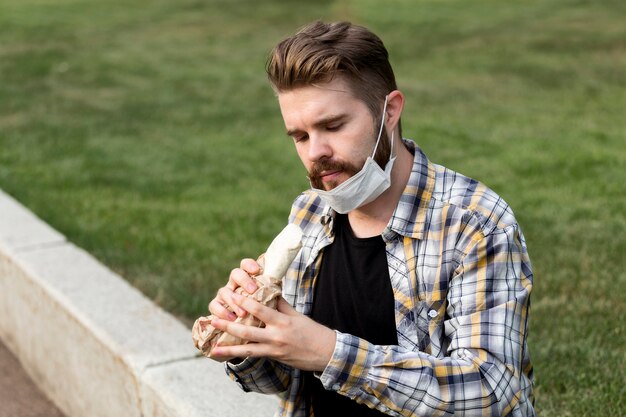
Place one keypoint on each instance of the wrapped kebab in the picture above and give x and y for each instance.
(274, 265)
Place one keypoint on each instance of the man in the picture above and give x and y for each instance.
(410, 295)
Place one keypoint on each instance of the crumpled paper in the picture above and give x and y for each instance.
(274, 264)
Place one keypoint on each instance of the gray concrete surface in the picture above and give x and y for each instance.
(19, 395)
(68, 318)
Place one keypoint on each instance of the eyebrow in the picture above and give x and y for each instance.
(322, 122)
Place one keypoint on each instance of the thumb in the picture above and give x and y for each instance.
(284, 307)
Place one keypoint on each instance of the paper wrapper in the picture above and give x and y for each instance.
(274, 265)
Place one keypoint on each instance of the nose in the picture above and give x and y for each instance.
(318, 148)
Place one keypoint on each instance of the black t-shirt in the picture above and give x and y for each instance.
(353, 294)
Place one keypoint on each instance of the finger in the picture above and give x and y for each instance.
(239, 277)
(218, 356)
(219, 310)
(242, 331)
(225, 297)
(249, 350)
(284, 307)
(265, 314)
(250, 266)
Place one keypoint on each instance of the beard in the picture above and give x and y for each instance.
(383, 152)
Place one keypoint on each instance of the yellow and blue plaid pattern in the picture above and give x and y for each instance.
(461, 279)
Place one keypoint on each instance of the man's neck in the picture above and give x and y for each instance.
(371, 219)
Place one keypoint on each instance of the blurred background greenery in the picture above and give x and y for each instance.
(146, 132)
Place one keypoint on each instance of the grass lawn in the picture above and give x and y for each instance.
(146, 132)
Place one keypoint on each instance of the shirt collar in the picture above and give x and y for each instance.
(409, 217)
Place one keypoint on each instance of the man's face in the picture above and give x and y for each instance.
(333, 131)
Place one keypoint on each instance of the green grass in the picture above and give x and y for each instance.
(145, 131)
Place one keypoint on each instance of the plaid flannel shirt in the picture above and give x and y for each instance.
(461, 279)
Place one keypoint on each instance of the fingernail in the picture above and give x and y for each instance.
(232, 317)
(251, 288)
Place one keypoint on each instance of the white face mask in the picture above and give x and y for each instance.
(363, 187)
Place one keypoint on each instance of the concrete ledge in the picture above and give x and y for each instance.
(96, 345)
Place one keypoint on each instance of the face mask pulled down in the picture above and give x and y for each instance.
(363, 187)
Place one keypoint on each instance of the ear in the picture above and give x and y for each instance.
(395, 105)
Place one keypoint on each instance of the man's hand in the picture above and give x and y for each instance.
(288, 336)
(239, 277)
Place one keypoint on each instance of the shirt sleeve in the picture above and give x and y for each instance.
(482, 372)
(260, 375)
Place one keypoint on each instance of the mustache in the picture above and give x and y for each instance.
(330, 165)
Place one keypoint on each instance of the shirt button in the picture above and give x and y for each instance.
(336, 387)
(432, 314)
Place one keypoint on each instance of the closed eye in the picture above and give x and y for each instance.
(334, 127)
(299, 138)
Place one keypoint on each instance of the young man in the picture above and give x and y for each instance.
(410, 295)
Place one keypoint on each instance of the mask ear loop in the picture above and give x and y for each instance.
(382, 124)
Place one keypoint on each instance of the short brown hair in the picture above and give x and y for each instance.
(321, 51)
